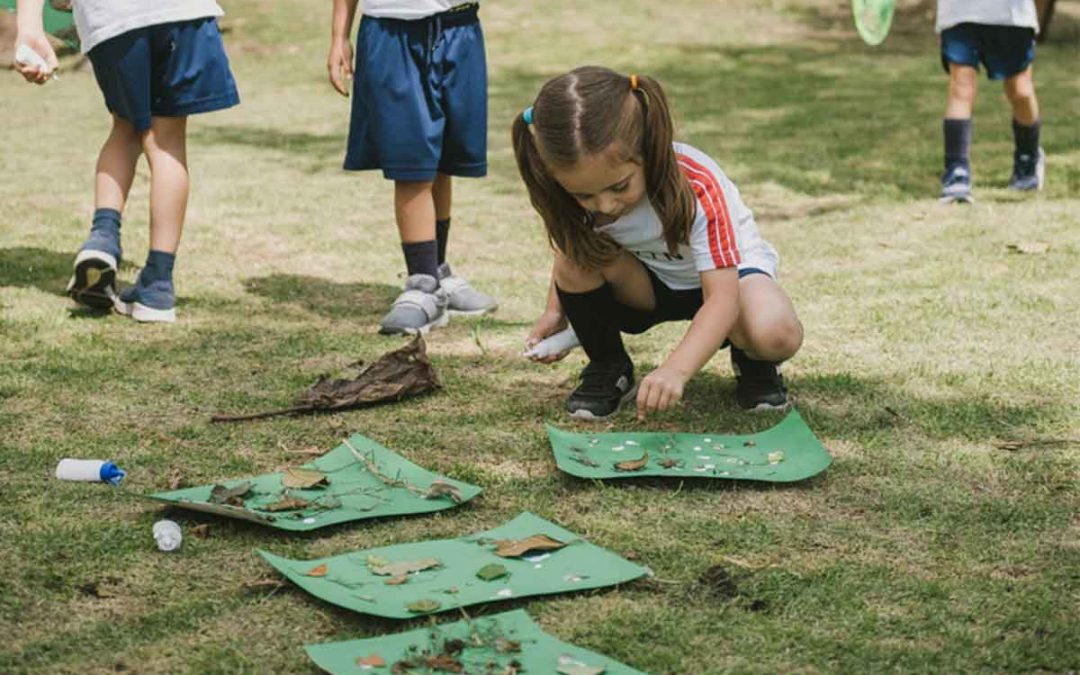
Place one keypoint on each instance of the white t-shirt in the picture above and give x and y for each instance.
(99, 20)
(723, 234)
(1020, 13)
(408, 9)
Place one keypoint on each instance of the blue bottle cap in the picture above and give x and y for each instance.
(111, 474)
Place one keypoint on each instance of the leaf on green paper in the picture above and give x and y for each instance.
(288, 504)
(376, 561)
(397, 581)
(404, 567)
(441, 488)
(668, 462)
(319, 571)
(776, 457)
(504, 646)
(233, 496)
(423, 606)
(633, 464)
(303, 478)
(582, 459)
(749, 444)
(515, 548)
(492, 571)
(371, 661)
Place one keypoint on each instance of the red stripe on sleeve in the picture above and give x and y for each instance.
(721, 233)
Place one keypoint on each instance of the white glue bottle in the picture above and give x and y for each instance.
(25, 55)
(554, 344)
(90, 470)
(167, 535)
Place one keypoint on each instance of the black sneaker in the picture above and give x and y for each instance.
(758, 384)
(604, 388)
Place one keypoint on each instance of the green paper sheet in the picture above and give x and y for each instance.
(785, 453)
(540, 653)
(57, 23)
(353, 493)
(873, 18)
(349, 583)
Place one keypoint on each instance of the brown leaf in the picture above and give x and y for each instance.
(1030, 247)
(201, 531)
(233, 496)
(441, 488)
(297, 478)
(371, 661)
(423, 606)
(403, 567)
(319, 571)
(397, 581)
(444, 663)
(288, 504)
(504, 646)
(266, 582)
(176, 480)
(515, 548)
(668, 462)
(633, 464)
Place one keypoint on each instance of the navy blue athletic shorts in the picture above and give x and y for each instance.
(1004, 50)
(168, 70)
(420, 97)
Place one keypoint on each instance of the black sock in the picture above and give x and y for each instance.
(106, 219)
(592, 316)
(442, 236)
(159, 267)
(957, 142)
(422, 257)
(1026, 138)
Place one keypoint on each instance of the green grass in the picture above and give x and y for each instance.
(925, 547)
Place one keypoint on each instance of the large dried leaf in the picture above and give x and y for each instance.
(515, 548)
(423, 606)
(289, 504)
(443, 489)
(303, 478)
(395, 375)
(633, 464)
(318, 571)
(233, 496)
(491, 572)
(371, 661)
(403, 567)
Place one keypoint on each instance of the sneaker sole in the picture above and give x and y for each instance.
(144, 314)
(422, 330)
(94, 282)
(956, 199)
(588, 416)
(472, 312)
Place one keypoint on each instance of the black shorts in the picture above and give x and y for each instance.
(671, 304)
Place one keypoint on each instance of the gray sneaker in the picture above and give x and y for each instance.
(463, 299)
(956, 186)
(1029, 173)
(419, 308)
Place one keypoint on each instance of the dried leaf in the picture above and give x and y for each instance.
(492, 571)
(288, 504)
(376, 561)
(423, 606)
(200, 531)
(504, 646)
(515, 548)
(749, 444)
(445, 663)
(582, 459)
(176, 480)
(633, 464)
(319, 571)
(397, 581)
(266, 582)
(371, 661)
(1030, 247)
(233, 496)
(303, 478)
(403, 567)
(776, 457)
(668, 462)
(443, 489)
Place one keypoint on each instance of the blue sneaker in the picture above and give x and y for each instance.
(956, 185)
(151, 302)
(1028, 172)
(94, 282)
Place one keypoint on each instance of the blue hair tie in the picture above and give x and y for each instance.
(527, 115)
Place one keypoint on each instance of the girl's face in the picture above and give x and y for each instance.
(608, 184)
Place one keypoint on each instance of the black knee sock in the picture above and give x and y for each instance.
(421, 257)
(957, 142)
(1026, 138)
(442, 236)
(592, 315)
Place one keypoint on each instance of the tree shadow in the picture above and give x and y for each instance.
(26, 266)
(266, 138)
(334, 300)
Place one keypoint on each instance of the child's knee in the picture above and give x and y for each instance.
(570, 276)
(777, 338)
(1020, 88)
(962, 88)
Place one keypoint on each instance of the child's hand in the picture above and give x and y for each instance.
(339, 65)
(40, 44)
(659, 390)
(548, 324)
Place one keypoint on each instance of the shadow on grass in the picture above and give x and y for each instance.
(361, 301)
(266, 138)
(40, 268)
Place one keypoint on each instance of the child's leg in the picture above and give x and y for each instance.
(116, 166)
(442, 191)
(1020, 90)
(768, 328)
(956, 128)
(963, 85)
(1028, 162)
(414, 210)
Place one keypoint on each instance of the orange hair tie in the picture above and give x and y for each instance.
(633, 82)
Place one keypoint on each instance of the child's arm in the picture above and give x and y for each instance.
(550, 322)
(663, 387)
(31, 33)
(339, 62)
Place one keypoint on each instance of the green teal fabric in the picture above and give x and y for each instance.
(540, 653)
(348, 582)
(786, 453)
(353, 493)
(873, 18)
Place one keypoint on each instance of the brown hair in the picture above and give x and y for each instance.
(583, 113)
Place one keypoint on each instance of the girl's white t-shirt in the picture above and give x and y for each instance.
(99, 20)
(1019, 13)
(724, 233)
(408, 9)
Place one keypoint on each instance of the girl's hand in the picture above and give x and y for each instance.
(659, 390)
(339, 65)
(39, 43)
(548, 324)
